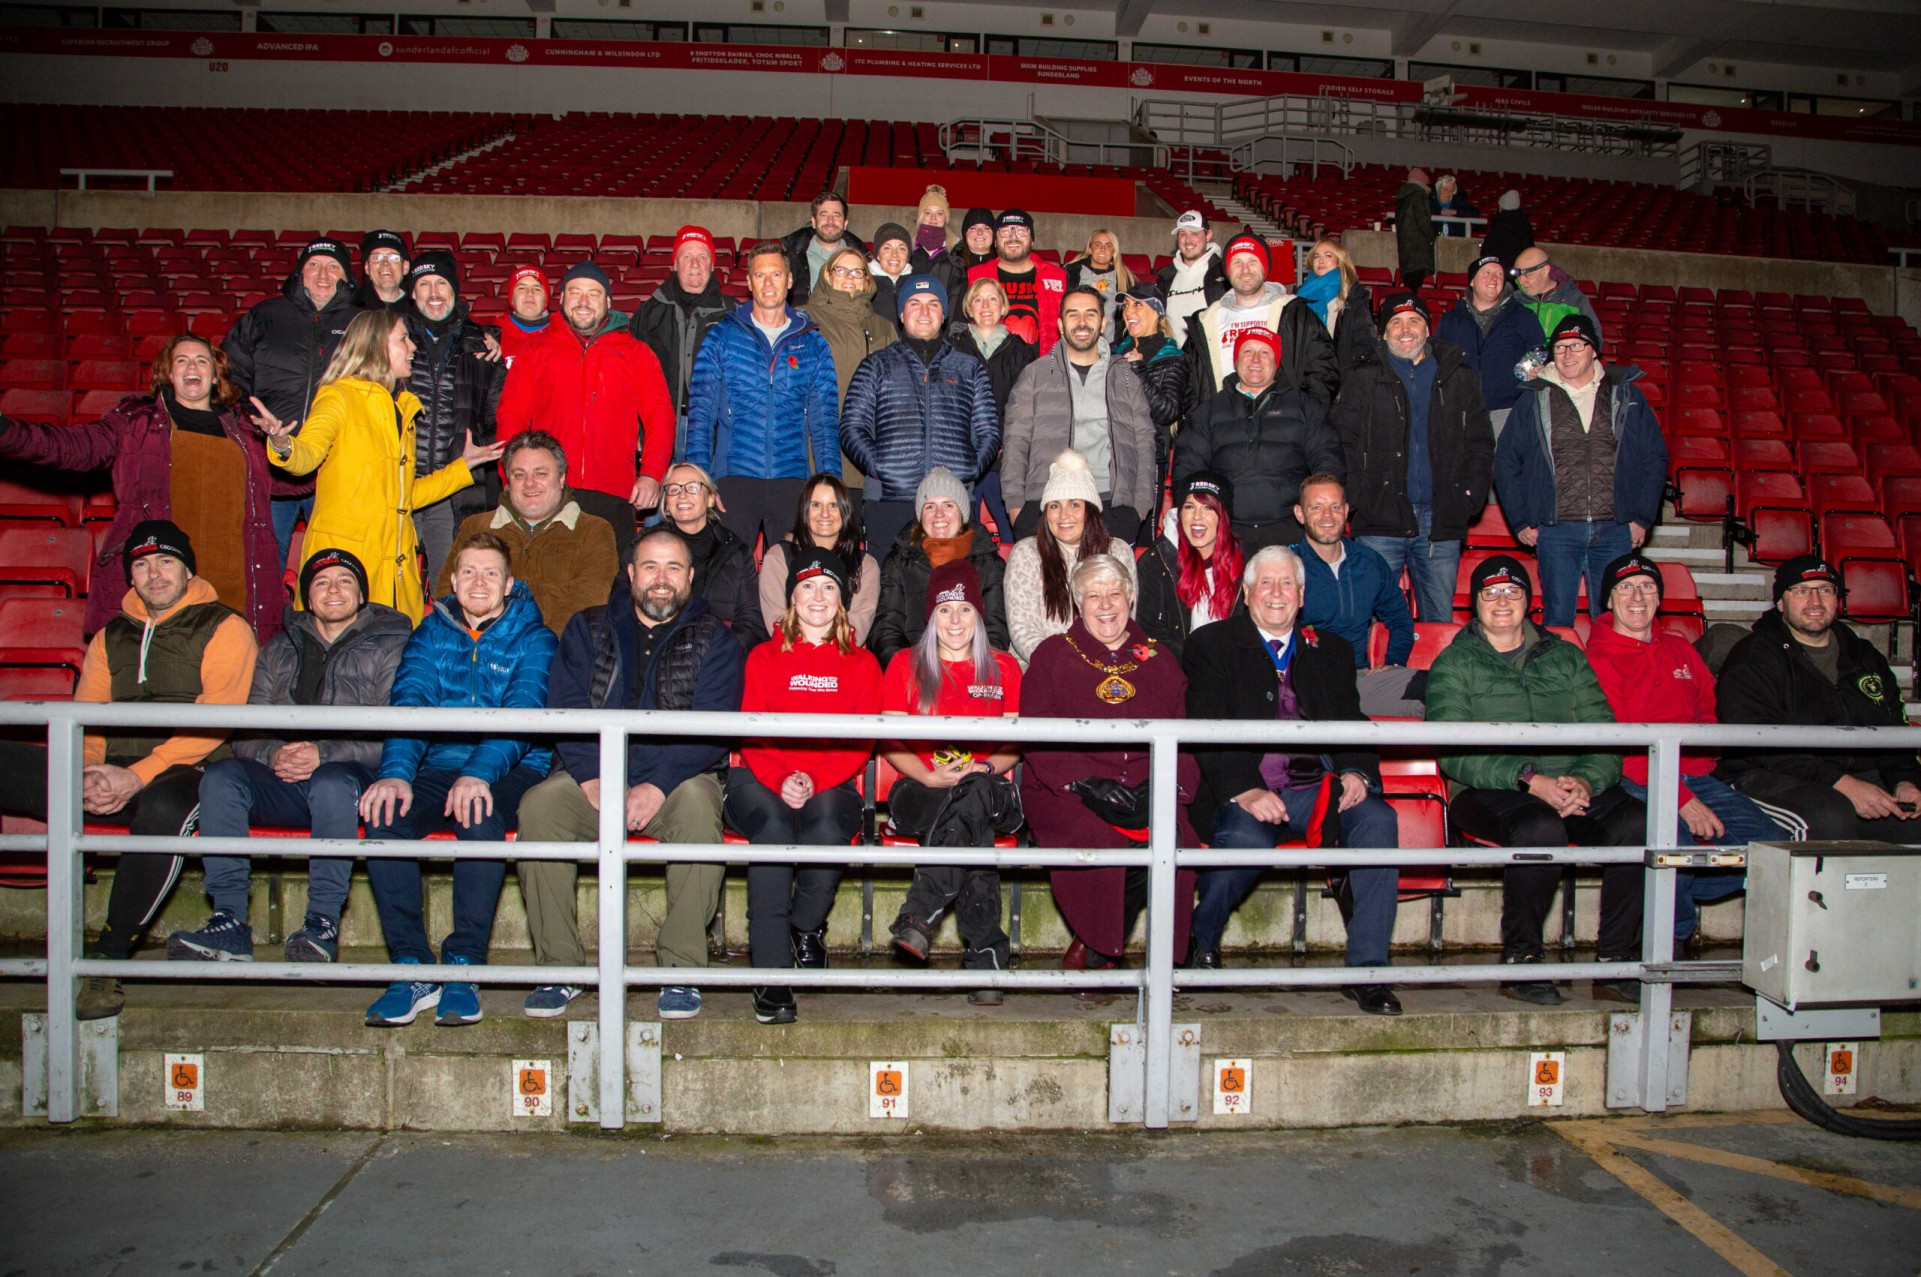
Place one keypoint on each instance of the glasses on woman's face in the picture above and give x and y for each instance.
(845, 272)
(693, 488)
(1496, 593)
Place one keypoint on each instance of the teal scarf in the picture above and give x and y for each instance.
(1318, 290)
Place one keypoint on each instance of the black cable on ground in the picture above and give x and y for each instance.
(1806, 1101)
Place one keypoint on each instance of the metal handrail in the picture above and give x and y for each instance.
(64, 841)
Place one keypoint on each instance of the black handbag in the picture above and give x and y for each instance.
(1122, 806)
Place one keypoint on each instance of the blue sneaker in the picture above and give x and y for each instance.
(678, 1002)
(459, 1003)
(403, 1001)
(224, 939)
(549, 1000)
(318, 940)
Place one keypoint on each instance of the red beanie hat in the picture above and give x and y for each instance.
(1259, 334)
(955, 581)
(693, 235)
(534, 273)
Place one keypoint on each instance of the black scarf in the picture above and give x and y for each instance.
(199, 421)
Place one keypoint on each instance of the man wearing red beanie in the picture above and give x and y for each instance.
(527, 315)
(677, 318)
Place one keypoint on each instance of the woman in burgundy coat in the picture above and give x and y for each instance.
(1105, 666)
(185, 451)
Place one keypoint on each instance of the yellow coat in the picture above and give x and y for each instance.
(366, 493)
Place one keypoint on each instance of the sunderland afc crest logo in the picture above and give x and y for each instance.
(1870, 685)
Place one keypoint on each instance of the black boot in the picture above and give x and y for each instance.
(810, 948)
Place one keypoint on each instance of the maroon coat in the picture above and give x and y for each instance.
(134, 440)
(1059, 684)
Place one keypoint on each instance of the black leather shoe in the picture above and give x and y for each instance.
(810, 948)
(775, 1006)
(1628, 991)
(1375, 999)
(1204, 960)
(1540, 993)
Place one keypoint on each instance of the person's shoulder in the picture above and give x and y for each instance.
(1008, 664)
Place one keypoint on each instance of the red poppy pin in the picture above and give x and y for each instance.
(1309, 637)
(793, 361)
(1142, 651)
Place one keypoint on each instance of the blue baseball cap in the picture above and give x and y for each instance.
(916, 286)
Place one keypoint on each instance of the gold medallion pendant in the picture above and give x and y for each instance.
(1113, 690)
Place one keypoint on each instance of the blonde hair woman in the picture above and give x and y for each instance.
(1100, 268)
(1334, 292)
(360, 437)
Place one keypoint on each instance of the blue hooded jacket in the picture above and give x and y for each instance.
(1349, 604)
(902, 418)
(446, 665)
(1524, 461)
(764, 411)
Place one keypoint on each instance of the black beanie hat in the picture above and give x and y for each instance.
(1576, 325)
(156, 536)
(1211, 482)
(977, 217)
(804, 565)
(1633, 563)
(1402, 303)
(324, 247)
(435, 261)
(588, 270)
(1017, 217)
(892, 230)
(332, 557)
(1802, 567)
(1502, 569)
(373, 241)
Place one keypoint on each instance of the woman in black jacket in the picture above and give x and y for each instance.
(1335, 293)
(984, 335)
(1149, 349)
(939, 535)
(1191, 575)
(723, 564)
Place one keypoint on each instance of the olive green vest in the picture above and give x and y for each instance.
(173, 667)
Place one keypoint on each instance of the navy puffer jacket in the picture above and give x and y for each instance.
(903, 417)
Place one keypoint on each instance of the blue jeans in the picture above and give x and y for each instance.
(396, 883)
(1369, 823)
(288, 512)
(1432, 564)
(1569, 550)
(237, 792)
(1745, 823)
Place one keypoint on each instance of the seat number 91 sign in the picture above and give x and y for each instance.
(887, 1089)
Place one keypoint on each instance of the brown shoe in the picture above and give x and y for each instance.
(101, 997)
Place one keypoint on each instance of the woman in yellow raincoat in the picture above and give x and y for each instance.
(360, 436)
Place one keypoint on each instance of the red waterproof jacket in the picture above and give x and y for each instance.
(1050, 285)
(603, 397)
(1664, 681)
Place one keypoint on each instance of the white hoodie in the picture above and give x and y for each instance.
(1187, 295)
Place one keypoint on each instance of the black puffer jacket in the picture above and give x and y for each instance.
(902, 617)
(1157, 602)
(1263, 445)
(1003, 367)
(724, 576)
(1307, 355)
(458, 392)
(1355, 337)
(795, 242)
(355, 669)
(1371, 418)
(1163, 373)
(278, 350)
(672, 324)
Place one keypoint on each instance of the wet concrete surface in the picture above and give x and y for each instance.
(1514, 1198)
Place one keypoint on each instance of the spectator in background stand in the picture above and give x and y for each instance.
(458, 389)
(940, 535)
(1449, 200)
(1334, 292)
(975, 248)
(1191, 575)
(932, 240)
(1420, 453)
(384, 263)
(916, 406)
(985, 336)
(1508, 231)
(893, 262)
(1582, 474)
(677, 318)
(763, 409)
(1414, 230)
(809, 247)
(1494, 332)
(184, 451)
(1196, 278)
(1100, 268)
(1306, 356)
(1148, 347)
(361, 440)
(564, 556)
(827, 519)
(1264, 437)
(1034, 288)
(1070, 526)
(277, 351)
(723, 563)
(527, 314)
(591, 385)
(1349, 587)
(840, 307)
(1549, 291)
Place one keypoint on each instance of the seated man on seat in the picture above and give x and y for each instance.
(172, 642)
(1253, 799)
(338, 649)
(1802, 666)
(563, 554)
(654, 645)
(1351, 586)
(1502, 668)
(485, 648)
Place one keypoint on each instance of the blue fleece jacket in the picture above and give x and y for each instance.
(1348, 604)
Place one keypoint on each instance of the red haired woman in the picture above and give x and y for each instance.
(1192, 574)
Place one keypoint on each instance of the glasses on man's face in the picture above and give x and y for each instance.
(1503, 594)
(693, 488)
(384, 259)
(1822, 590)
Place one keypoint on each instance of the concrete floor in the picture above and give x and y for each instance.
(1726, 1193)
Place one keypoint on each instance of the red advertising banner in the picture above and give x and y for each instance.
(868, 185)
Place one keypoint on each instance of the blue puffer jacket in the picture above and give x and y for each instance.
(764, 411)
(1524, 462)
(902, 418)
(1509, 337)
(446, 665)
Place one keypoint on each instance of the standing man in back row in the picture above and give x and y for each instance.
(677, 318)
(1307, 360)
(809, 247)
(1196, 278)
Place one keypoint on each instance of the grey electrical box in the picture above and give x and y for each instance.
(1833, 923)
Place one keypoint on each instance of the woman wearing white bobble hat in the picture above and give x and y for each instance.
(1072, 527)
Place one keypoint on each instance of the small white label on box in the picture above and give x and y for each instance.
(1867, 882)
(533, 1088)
(1839, 1065)
(1233, 1087)
(185, 1082)
(887, 1089)
(1546, 1072)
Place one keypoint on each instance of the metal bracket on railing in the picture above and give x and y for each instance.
(643, 1071)
(97, 1088)
(1628, 1051)
(1127, 1074)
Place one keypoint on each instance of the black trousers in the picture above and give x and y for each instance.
(783, 899)
(757, 505)
(1414, 279)
(168, 806)
(617, 511)
(973, 894)
(1514, 819)
(1823, 809)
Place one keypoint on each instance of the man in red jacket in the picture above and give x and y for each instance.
(1034, 288)
(601, 393)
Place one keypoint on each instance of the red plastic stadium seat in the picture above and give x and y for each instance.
(53, 407)
(1877, 589)
(42, 632)
(47, 556)
(36, 683)
(1845, 533)
(1489, 532)
(1827, 457)
(1827, 492)
(1763, 454)
(1430, 637)
(105, 374)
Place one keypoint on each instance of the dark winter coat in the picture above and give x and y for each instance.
(458, 393)
(1355, 338)
(1414, 228)
(903, 417)
(1230, 676)
(278, 350)
(1524, 461)
(1514, 332)
(1371, 417)
(724, 576)
(795, 242)
(902, 617)
(1308, 361)
(1163, 373)
(1004, 367)
(764, 411)
(134, 439)
(1768, 678)
(1264, 446)
(355, 669)
(672, 325)
(1509, 234)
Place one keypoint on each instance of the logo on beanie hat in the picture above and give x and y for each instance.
(1017, 217)
(693, 235)
(1192, 220)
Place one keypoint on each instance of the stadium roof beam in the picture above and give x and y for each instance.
(1414, 30)
(1130, 15)
(1680, 53)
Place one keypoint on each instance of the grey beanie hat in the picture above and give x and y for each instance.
(940, 482)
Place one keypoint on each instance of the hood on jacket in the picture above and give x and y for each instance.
(199, 590)
(1271, 292)
(673, 294)
(1617, 375)
(1538, 640)
(823, 290)
(521, 615)
(374, 619)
